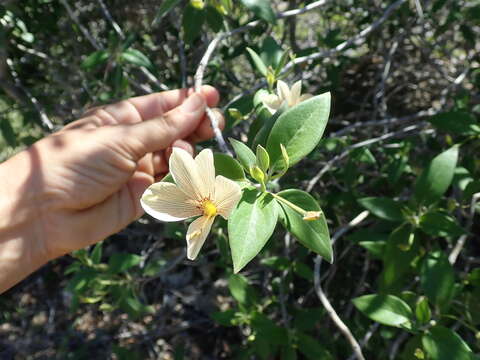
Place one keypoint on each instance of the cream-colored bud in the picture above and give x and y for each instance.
(312, 215)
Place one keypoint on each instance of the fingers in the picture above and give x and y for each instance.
(146, 107)
(157, 134)
(204, 131)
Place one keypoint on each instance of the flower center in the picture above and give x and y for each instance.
(208, 208)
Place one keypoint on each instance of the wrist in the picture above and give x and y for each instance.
(22, 248)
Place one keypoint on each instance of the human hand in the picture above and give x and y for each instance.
(86, 180)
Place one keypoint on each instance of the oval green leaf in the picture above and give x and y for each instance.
(384, 208)
(227, 166)
(250, 226)
(385, 309)
(437, 177)
(137, 58)
(437, 223)
(437, 278)
(259, 64)
(441, 343)
(312, 234)
(299, 129)
(246, 156)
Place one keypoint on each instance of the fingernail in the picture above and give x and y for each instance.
(193, 102)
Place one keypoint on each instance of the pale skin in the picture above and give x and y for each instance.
(83, 183)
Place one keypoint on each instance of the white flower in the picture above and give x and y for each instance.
(291, 96)
(196, 192)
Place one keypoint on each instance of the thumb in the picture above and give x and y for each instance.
(159, 133)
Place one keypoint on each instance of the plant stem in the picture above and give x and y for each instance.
(291, 205)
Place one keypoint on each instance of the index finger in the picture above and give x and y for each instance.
(154, 105)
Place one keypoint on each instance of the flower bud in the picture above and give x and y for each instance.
(197, 4)
(312, 215)
(257, 174)
(263, 160)
(270, 77)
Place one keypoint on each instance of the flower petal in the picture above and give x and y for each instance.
(196, 235)
(283, 91)
(227, 195)
(272, 102)
(295, 92)
(164, 201)
(204, 161)
(186, 174)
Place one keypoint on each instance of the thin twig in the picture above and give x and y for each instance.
(46, 122)
(384, 122)
(366, 338)
(357, 39)
(333, 314)
(360, 144)
(120, 33)
(357, 350)
(82, 28)
(452, 258)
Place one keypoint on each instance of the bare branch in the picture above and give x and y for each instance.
(333, 314)
(120, 33)
(357, 39)
(360, 144)
(46, 122)
(452, 258)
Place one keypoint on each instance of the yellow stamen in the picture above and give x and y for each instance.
(209, 208)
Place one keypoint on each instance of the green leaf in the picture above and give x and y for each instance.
(192, 23)
(385, 309)
(261, 8)
(437, 177)
(437, 223)
(312, 234)
(270, 52)
(120, 262)
(384, 208)
(241, 290)
(441, 343)
(244, 154)
(258, 62)
(437, 278)
(263, 160)
(136, 57)
(250, 226)
(94, 59)
(267, 121)
(164, 9)
(422, 311)
(299, 129)
(227, 166)
(97, 253)
(456, 122)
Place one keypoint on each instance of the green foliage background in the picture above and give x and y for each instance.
(402, 143)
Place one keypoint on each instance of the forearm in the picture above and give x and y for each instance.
(21, 249)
